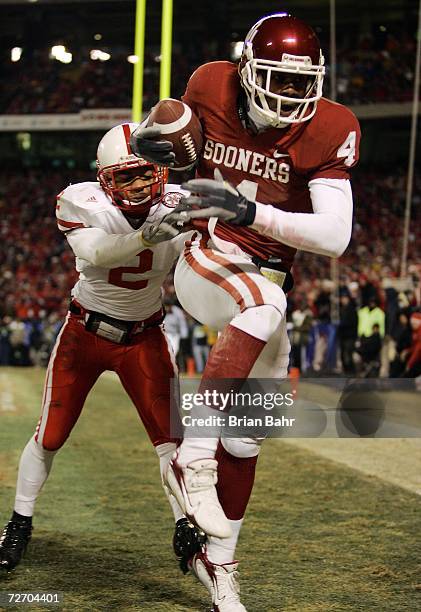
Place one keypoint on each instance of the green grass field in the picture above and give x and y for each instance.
(319, 536)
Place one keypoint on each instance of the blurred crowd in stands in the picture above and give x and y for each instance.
(377, 330)
(376, 69)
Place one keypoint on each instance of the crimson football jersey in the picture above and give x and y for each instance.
(274, 166)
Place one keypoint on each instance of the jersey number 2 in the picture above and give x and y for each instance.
(115, 277)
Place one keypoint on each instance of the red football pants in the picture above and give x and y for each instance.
(144, 367)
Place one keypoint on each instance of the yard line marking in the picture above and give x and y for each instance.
(396, 461)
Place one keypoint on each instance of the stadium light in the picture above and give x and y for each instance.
(60, 53)
(16, 54)
(97, 54)
(24, 140)
(133, 59)
(236, 50)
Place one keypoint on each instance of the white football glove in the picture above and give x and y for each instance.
(173, 224)
(166, 228)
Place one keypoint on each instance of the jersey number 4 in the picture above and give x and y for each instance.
(347, 149)
(115, 277)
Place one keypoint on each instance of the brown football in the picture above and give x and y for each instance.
(182, 127)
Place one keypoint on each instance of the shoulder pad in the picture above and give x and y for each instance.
(76, 203)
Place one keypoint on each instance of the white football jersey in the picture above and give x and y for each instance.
(131, 290)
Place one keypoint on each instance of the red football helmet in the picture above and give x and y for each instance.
(131, 182)
(281, 70)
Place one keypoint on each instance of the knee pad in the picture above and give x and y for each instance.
(260, 321)
(242, 448)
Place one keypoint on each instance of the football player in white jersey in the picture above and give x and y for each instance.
(125, 235)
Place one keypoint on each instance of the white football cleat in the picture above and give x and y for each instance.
(193, 487)
(221, 582)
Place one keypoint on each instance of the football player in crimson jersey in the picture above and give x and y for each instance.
(125, 232)
(275, 172)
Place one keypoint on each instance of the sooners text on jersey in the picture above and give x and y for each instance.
(275, 166)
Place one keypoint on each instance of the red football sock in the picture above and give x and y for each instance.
(230, 361)
(228, 366)
(235, 482)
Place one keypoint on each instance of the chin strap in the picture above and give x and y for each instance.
(251, 119)
(129, 203)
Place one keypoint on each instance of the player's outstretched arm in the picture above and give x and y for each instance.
(175, 223)
(147, 142)
(109, 250)
(105, 250)
(326, 231)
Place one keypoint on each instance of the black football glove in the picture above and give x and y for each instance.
(145, 142)
(220, 199)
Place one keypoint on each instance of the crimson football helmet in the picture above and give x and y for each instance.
(281, 70)
(119, 171)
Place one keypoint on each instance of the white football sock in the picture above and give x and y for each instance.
(197, 448)
(222, 550)
(34, 467)
(165, 453)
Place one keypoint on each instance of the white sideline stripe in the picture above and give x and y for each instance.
(396, 461)
(175, 126)
(227, 275)
(48, 384)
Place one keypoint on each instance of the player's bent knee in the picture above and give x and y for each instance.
(262, 321)
(271, 315)
(242, 448)
(274, 296)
